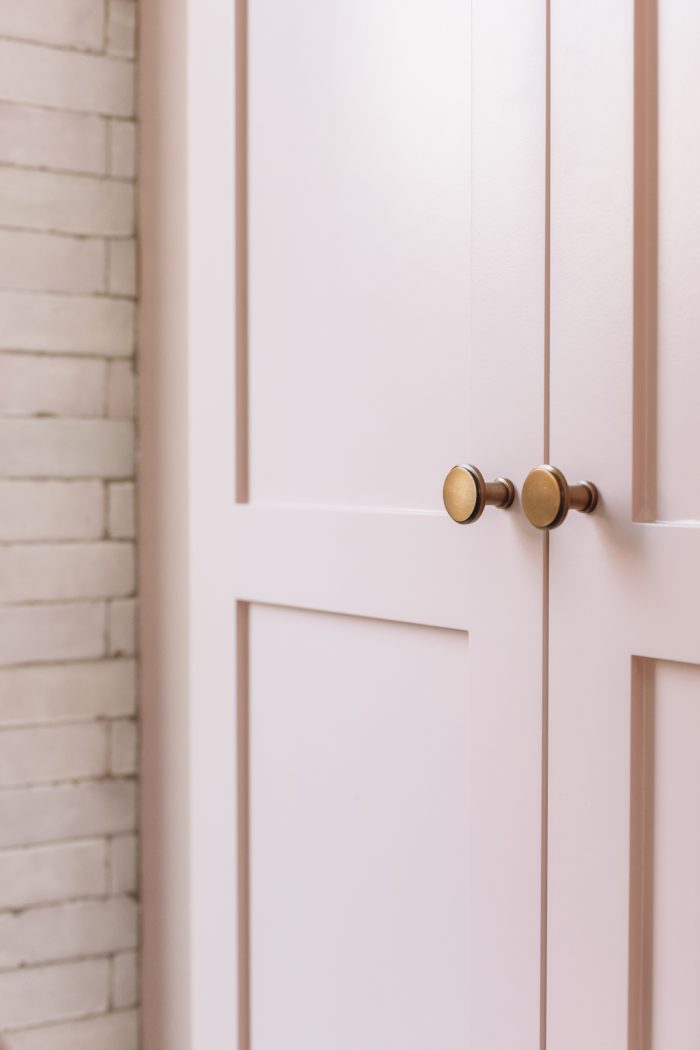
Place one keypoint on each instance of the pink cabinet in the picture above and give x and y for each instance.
(442, 781)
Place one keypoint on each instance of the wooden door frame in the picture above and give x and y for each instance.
(188, 820)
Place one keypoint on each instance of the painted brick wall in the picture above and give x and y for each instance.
(68, 731)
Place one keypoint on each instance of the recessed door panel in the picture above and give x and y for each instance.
(359, 190)
(358, 804)
(678, 368)
(665, 870)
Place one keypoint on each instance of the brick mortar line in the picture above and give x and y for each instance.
(98, 176)
(51, 231)
(65, 1022)
(108, 541)
(74, 781)
(73, 173)
(105, 720)
(90, 114)
(71, 902)
(92, 542)
(44, 414)
(46, 107)
(97, 839)
(70, 477)
(80, 662)
(72, 722)
(58, 294)
(74, 49)
(57, 843)
(100, 236)
(81, 238)
(33, 603)
(105, 837)
(74, 355)
(106, 956)
(99, 296)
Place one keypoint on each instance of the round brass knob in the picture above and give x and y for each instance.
(547, 497)
(465, 493)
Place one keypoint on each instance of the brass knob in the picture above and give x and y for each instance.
(547, 497)
(465, 493)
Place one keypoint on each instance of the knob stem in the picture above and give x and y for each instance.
(583, 497)
(500, 493)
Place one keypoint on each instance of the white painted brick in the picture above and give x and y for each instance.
(66, 324)
(48, 200)
(120, 390)
(51, 510)
(50, 753)
(123, 864)
(44, 633)
(122, 145)
(125, 980)
(46, 448)
(51, 386)
(122, 628)
(70, 23)
(67, 692)
(68, 158)
(46, 138)
(58, 572)
(67, 811)
(67, 931)
(122, 267)
(52, 873)
(53, 993)
(121, 28)
(122, 512)
(66, 79)
(123, 756)
(115, 1031)
(51, 262)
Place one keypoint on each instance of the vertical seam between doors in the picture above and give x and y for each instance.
(545, 544)
(545, 795)
(547, 230)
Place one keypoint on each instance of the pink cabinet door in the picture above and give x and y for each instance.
(624, 673)
(379, 666)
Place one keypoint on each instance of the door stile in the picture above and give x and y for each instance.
(508, 425)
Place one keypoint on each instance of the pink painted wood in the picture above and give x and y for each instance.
(347, 692)
(624, 798)
(366, 385)
(355, 719)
